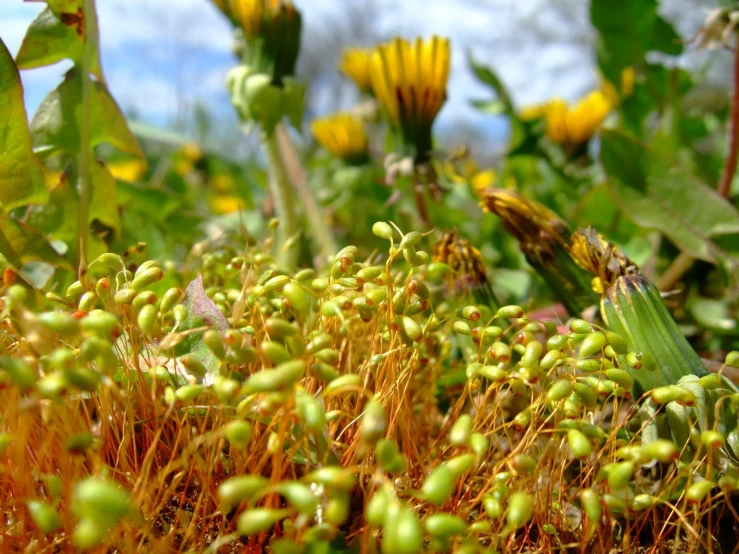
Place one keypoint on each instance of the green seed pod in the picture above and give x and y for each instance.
(642, 502)
(277, 327)
(470, 313)
(617, 342)
(698, 491)
(459, 435)
(377, 296)
(459, 465)
(333, 478)
(319, 285)
(710, 382)
(87, 301)
(76, 288)
(374, 424)
(712, 440)
(522, 419)
(500, 351)
(493, 507)
(385, 453)
(169, 299)
(319, 342)
(310, 412)
(557, 342)
(589, 365)
(438, 485)
(382, 230)
(493, 373)
(22, 375)
(145, 277)
(660, 449)
(144, 298)
(146, 319)
(238, 433)
(100, 323)
(586, 394)
(100, 500)
(61, 323)
(727, 482)
(275, 352)
(256, 520)
(330, 309)
(579, 444)
(79, 442)
(403, 533)
(437, 270)
(580, 326)
(214, 342)
(297, 297)
(349, 380)
(550, 359)
(591, 505)
(124, 297)
(226, 389)
(5, 440)
(614, 504)
(324, 372)
(668, 393)
(236, 490)
(592, 344)
(559, 390)
(328, 356)
(444, 525)
(481, 526)
(732, 358)
(479, 444)
(88, 534)
(282, 377)
(193, 366)
(531, 355)
(522, 464)
(510, 312)
(410, 328)
(305, 274)
(520, 509)
(240, 355)
(275, 283)
(641, 360)
(188, 393)
(619, 474)
(369, 274)
(44, 516)
(462, 327)
(620, 377)
(300, 497)
(377, 509)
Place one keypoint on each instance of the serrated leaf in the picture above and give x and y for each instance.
(20, 243)
(56, 125)
(201, 311)
(21, 174)
(657, 194)
(52, 38)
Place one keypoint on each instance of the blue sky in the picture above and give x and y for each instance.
(160, 56)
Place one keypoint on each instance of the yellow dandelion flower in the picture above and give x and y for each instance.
(225, 204)
(343, 135)
(127, 170)
(467, 171)
(409, 81)
(272, 30)
(532, 113)
(572, 126)
(355, 64)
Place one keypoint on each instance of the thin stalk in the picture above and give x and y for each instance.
(282, 194)
(731, 159)
(677, 269)
(85, 154)
(320, 231)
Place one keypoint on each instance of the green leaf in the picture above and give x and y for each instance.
(656, 193)
(56, 126)
(52, 38)
(201, 311)
(665, 39)
(628, 29)
(20, 243)
(21, 174)
(103, 200)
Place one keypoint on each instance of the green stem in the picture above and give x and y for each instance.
(85, 153)
(282, 194)
(322, 234)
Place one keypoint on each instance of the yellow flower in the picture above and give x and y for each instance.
(355, 64)
(467, 171)
(532, 113)
(224, 204)
(127, 170)
(628, 78)
(343, 135)
(409, 81)
(272, 30)
(572, 126)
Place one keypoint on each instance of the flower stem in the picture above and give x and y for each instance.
(727, 177)
(320, 231)
(84, 155)
(282, 195)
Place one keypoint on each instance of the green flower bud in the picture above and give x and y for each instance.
(188, 393)
(341, 383)
(44, 516)
(87, 301)
(146, 319)
(235, 490)
(510, 312)
(277, 327)
(559, 390)
(557, 342)
(75, 288)
(282, 377)
(382, 230)
(619, 345)
(592, 344)
(580, 326)
(145, 277)
(275, 352)
(88, 534)
(698, 491)
(591, 505)
(459, 435)
(300, 497)
(531, 355)
(479, 444)
(462, 327)
(373, 425)
(193, 366)
(712, 440)
(522, 419)
(660, 449)
(438, 485)
(377, 509)
(493, 507)
(459, 465)
(619, 474)
(522, 464)
(310, 412)
(732, 359)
